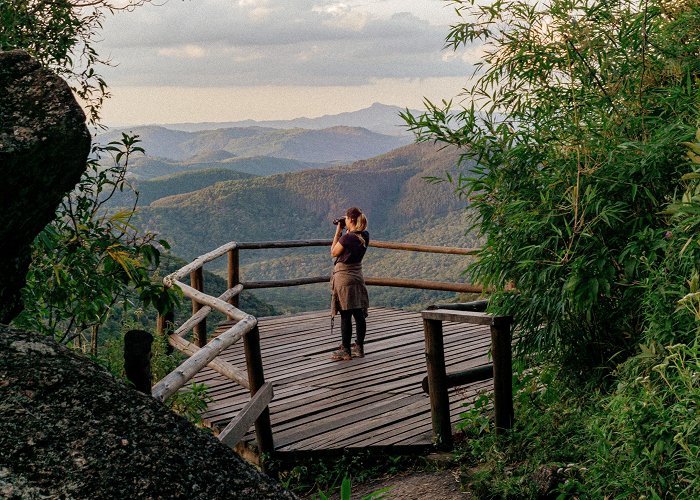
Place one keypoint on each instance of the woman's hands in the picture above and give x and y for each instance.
(337, 248)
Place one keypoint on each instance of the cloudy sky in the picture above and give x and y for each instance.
(221, 60)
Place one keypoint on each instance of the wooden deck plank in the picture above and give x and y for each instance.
(321, 404)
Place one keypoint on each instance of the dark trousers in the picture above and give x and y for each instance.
(346, 326)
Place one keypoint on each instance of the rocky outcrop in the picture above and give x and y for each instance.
(44, 144)
(69, 429)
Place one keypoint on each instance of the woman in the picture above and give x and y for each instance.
(349, 293)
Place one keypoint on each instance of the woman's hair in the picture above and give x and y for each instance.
(356, 215)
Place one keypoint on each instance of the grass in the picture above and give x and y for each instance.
(323, 477)
(543, 448)
(634, 433)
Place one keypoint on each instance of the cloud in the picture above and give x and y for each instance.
(283, 42)
(257, 10)
(342, 16)
(185, 51)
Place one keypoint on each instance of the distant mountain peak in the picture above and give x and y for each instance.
(379, 118)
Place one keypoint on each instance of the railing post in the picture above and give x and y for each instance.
(437, 384)
(137, 359)
(234, 276)
(200, 329)
(165, 325)
(501, 352)
(256, 378)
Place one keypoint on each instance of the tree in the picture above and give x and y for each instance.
(571, 145)
(88, 260)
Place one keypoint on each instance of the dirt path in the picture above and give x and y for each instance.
(443, 485)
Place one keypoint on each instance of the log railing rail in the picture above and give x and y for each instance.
(204, 353)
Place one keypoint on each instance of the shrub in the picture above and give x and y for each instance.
(648, 437)
(571, 150)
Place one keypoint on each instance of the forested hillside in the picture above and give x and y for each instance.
(391, 189)
(147, 168)
(167, 185)
(400, 204)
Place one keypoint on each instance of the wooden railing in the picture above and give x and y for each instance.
(204, 353)
(438, 381)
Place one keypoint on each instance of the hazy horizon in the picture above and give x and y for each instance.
(263, 121)
(224, 60)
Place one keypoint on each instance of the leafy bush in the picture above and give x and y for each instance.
(648, 437)
(671, 290)
(320, 475)
(190, 402)
(574, 122)
(88, 260)
(549, 434)
(642, 440)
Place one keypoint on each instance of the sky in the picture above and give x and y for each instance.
(228, 60)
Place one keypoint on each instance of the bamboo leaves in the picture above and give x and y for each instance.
(571, 135)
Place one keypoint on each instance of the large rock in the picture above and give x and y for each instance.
(69, 429)
(44, 144)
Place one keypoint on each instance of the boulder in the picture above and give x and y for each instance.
(69, 429)
(44, 145)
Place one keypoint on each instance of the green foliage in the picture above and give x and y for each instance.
(88, 260)
(346, 492)
(640, 440)
(61, 35)
(320, 477)
(648, 436)
(163, 361)
(549, 433)
(577, 113)
(671, 292)
(190, 402)
(579, 119)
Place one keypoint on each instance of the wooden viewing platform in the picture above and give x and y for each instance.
(375, 402)
(282, 378)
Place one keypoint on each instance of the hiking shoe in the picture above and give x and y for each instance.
(357, 350)
(342, 354)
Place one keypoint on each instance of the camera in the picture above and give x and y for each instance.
(339, 220)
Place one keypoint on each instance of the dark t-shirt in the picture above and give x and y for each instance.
(353, 249)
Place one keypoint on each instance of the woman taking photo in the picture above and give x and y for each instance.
(348, 291)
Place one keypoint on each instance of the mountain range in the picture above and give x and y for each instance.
(379, 118)
(390, 188)
(202, 185)
(333, 145)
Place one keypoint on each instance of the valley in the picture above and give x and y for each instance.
(221, 195)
